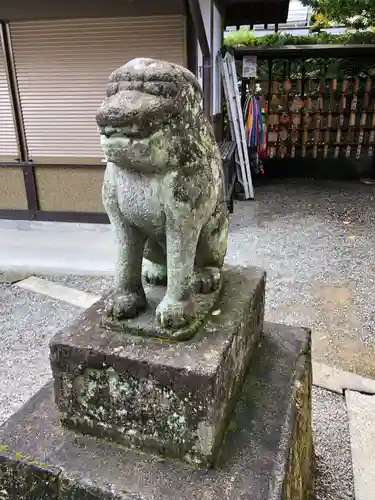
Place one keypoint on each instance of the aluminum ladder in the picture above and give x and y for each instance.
(227, 64)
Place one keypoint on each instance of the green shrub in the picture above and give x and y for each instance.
(246, 37)
(310, 68)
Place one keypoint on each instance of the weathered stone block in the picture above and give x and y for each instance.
(171, 398)
(26, 478)
(267, 453)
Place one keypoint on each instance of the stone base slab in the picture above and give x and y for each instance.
(267, 453)
(146, 324)
(170, 398)
(12, 276)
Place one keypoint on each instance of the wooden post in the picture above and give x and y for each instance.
(197, 17)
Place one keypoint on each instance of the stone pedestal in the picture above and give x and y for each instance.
(170, 398)
(267, 452)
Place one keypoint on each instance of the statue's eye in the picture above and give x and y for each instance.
(130, 85)
(164, 89)
(112, 89)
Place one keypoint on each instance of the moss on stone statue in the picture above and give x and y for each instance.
(299, 482)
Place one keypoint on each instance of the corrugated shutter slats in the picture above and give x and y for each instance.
(8, 138)
(62, 68)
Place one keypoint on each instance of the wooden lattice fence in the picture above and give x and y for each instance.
(321, 106)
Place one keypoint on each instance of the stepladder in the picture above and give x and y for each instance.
(228, 72)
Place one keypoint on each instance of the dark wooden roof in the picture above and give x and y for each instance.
(14, 10)
(237, 12)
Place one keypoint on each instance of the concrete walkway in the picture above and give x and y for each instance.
(56, 248)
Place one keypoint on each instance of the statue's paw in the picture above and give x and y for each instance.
(154, 274)
(207, 279)
(175, 314)
(122, 305)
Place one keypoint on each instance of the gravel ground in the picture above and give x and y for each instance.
(28, 321)
(334, 479)
(317, 243)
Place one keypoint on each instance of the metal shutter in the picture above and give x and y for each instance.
(8, 139)
(62, 68)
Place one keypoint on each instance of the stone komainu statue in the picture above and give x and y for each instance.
(163, 189)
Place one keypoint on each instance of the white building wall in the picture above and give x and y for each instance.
(216, 45)
(205, 8)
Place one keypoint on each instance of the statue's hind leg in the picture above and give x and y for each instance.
(211, 251)
(154, 266)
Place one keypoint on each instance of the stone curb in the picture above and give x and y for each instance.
(336, 380)
(59, 292)
(361, 411)
(11, 277)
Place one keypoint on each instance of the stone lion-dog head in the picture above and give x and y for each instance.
(149, 105)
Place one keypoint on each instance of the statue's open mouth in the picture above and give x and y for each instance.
(130, 131)
(133, 114)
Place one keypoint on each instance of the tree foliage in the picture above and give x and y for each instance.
(319, 21)
(356, 13)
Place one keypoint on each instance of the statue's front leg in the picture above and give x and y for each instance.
(128, 298)
(177, 308)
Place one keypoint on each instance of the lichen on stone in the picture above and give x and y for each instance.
(135, 410)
